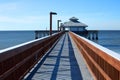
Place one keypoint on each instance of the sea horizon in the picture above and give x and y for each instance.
(11, 38)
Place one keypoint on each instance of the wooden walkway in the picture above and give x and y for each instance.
(63, 62)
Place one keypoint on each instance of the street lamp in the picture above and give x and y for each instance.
(61, 26)
(51, 13)
(58, 23)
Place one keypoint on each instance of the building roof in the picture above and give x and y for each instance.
(74, 23)
(73, 19)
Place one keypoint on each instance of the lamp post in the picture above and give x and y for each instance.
(51, 13)
(60, 26)
(58, 23)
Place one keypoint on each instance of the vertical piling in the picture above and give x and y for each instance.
(93, 35)
(36, 34)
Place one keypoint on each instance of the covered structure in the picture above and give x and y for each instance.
(74, 25)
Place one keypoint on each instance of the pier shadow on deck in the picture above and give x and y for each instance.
(59, 64)
(75, 71)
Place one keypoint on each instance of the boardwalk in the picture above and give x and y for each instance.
(63, 62)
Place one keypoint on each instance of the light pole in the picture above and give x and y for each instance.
(58, 23)
(51, 13)
(60, 26)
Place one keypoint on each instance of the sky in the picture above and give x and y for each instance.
(34, 14)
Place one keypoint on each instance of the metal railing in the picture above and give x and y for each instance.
(102, 65)
(16, 62)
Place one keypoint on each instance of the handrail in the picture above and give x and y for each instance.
(104, 65)
(15, 62)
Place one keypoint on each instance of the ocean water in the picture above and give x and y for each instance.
(12, 38)
(107, 38)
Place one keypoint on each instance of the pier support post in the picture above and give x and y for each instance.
(93, 35)
(36, 34)
(88, 35)
(96, 35)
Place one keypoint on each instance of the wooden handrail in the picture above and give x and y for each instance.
(17, 61)
(102, 65)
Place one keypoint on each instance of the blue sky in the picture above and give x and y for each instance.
(34, 14)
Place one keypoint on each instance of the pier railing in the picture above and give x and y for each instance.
(17, 61)
(104, 64)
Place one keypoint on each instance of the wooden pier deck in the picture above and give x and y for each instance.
(61, 56)
(63, 62)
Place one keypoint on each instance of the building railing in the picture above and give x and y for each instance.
(103, 63)
(17, 61)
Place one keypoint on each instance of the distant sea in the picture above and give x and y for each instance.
(12, 38)
(107, 38)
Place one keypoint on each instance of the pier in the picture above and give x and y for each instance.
(60, 63)
(92, 34)
(61, 56)
(43, 33)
